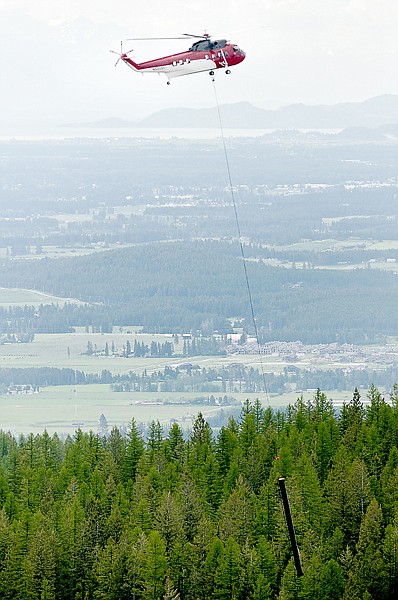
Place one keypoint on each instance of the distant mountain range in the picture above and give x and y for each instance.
(373, 113)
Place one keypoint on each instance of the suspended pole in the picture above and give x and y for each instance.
(289, 522)
(249, 293)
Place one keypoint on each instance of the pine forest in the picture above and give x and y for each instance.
(200, 517)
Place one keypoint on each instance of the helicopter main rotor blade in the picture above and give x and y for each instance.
(155, 38)
(200, 37)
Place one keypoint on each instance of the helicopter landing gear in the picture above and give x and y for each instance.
(227, 72)
(211, 73)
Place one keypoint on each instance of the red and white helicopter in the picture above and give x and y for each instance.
(203, 55)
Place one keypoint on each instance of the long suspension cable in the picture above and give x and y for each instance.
(249, 293)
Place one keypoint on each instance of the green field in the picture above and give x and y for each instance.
(19, 297)
(51, 350)
(338, 245)
(63, 409)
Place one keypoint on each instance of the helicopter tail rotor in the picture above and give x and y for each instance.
(121, 54)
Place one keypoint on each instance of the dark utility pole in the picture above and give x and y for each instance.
(292, 535)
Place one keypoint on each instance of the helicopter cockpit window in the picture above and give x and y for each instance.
(219, 43)
(202, 45)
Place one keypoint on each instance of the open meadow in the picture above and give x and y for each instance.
(18, 297)
(63, 409)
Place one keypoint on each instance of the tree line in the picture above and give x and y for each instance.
(188, 377)
(167, 516)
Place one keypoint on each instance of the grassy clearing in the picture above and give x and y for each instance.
(21, 297)
(319, 245)
(331, 220)
(67, 350)
(65, 408)
(338, 245)
(130, 210)
(379, 265)
(61, 408)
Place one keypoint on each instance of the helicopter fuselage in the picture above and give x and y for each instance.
(204, 55)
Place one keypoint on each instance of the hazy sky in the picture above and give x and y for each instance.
(56, 66)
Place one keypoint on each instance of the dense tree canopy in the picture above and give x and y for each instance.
(116, 517)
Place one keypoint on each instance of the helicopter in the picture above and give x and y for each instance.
(204, 55)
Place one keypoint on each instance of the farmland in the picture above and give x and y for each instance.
(62, 408)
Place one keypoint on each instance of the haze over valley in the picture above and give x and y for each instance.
(140, 235)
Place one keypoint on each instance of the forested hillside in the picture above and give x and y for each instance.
(197, 285)
(201, 518)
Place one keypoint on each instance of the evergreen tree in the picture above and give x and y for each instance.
(367, 570)
(155, 438)
(227, 575)
(390, 560)
(134, 450)
(347, 495)
(227, 443)
(237, 514)
(169, 520)
(154, 567)
(267, 566)
(355, 414)
(176, 443)
(109, 573)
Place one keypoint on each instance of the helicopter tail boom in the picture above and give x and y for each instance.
(130, 63)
